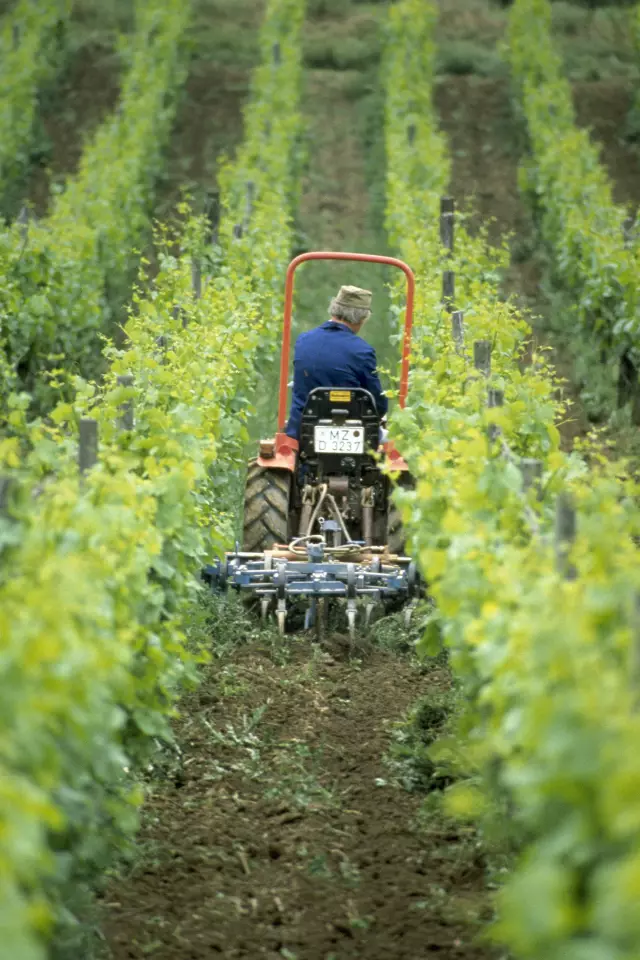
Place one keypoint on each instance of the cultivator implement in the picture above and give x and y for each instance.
(307, 570)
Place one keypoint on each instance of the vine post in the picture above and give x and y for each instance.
(213, 216)
(126, 418)
(565, 535)
(196, 278)
(248, 209)
(495, 398)
(447, 217)
(531, 471)
(7, 487)
(482, 356)
(87, 444)
(457, 329)
(448, 289)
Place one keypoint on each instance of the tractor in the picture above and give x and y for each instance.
(319, 521)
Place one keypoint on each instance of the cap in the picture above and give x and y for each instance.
(354, 297)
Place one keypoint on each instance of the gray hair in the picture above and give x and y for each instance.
(354, 315)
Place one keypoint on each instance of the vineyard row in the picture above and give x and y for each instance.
(593, 253)
(540, 617)
(30, 55)
(64, 280)
(99, 569)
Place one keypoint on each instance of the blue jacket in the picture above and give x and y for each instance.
(332, 356)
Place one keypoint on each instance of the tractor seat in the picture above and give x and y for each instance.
(339, 421)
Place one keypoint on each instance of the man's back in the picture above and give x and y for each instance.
(332, 355)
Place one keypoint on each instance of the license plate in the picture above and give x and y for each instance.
(338, 440)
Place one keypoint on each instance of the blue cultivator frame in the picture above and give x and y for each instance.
(309, 569)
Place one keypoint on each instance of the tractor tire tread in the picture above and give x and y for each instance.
(266, 509)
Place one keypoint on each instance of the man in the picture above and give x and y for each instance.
(333, 355)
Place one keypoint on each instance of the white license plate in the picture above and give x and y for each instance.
(338, 439)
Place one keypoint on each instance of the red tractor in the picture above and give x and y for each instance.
(319, 521)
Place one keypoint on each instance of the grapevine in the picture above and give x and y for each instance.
(580, 224)
(542, 642)
(65, 279)
(29, 58)
(105, 564)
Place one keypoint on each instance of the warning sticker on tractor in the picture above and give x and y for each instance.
(340, 396)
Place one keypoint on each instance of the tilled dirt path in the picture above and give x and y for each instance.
(487, 144)
(476, 114)
(283, 834)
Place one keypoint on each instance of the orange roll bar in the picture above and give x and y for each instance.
(288, 309)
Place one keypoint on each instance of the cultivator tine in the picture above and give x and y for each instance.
(408, 612)
(314, 617)
(264, 608)
(321, 618)
(281, 584)
(368, 611)
(352, 611)
(310, 615)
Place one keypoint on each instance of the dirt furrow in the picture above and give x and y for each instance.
(283, 832)
(485, 142)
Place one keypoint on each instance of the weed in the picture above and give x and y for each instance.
(596, 43)
(468, 56)
(326, 8)
(356, 921)
(409, 758)
(228, 39)
(217, 622)
(220, 623)
(229, 684)
(319, 867)
(347, 53)
(291, 780)
(472, 18)
(391, 633)
(348, 44)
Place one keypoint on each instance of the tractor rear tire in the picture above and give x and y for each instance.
(266, 509)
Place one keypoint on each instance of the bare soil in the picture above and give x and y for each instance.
(87, 91)
(604, 107)
(487, 143)
(209, 119)
(282, 833)
(477, 117)
(208, 125)
(334, 204)
(337, 211)
(223, 50)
